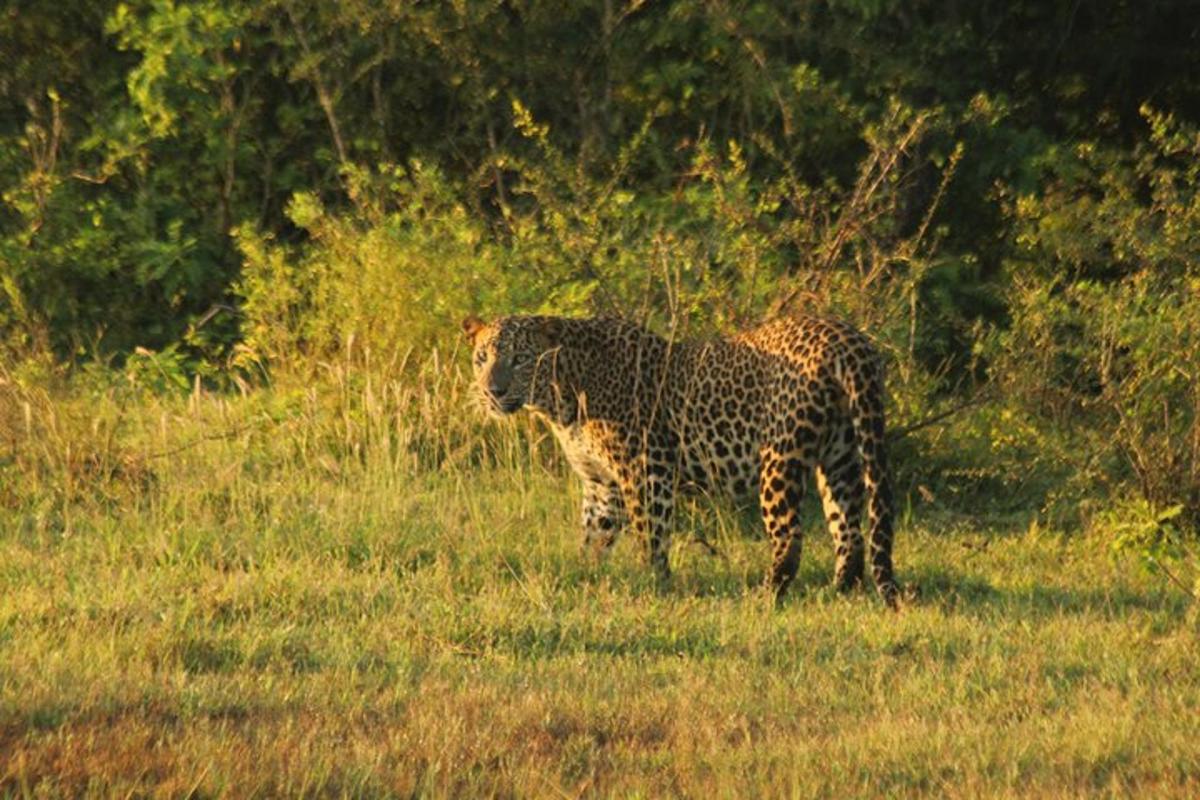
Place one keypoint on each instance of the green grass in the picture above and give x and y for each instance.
(283, 612)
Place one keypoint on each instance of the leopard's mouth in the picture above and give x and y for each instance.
(503, 406)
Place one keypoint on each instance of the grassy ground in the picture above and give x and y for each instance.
(263, 613)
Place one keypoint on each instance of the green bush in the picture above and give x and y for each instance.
(1105, 335)
(1153, 535)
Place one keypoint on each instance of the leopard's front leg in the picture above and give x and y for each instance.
(649, 502)
(603, 515)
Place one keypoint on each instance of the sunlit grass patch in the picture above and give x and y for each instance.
(273, 617)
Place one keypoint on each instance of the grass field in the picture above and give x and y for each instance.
(267, 613)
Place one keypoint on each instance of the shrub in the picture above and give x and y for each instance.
(392, 278)
(1105, 335)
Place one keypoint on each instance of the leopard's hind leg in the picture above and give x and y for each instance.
(840, 483)
(781, 492)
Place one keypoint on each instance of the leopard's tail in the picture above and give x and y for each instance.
(864, 391)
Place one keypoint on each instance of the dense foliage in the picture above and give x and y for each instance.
(1004, 194)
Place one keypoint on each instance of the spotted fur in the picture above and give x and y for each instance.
(641, 418)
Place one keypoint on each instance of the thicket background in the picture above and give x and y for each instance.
(233, 197)
(256, 538)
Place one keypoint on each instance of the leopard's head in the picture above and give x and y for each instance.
(515, 362)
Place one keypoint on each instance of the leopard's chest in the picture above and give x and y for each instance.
(586, 451)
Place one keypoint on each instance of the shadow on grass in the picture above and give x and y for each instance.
(953, 590)
(963, 592)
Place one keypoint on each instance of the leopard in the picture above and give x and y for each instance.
(642, 419)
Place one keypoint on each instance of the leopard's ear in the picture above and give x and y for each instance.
(471, 326)
(551, 330)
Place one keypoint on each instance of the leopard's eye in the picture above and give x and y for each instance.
(518, 359)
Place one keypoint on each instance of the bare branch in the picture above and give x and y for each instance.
(324, 96)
